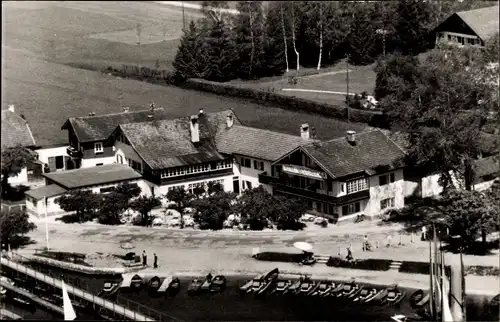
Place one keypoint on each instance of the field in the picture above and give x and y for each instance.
(332, 79)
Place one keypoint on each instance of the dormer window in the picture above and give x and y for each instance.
(98, 148)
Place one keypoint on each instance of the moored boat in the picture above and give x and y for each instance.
(418, 299)
(292, 289)
(205, 286)
(320, 287)
(350, 290)
(218, 284)
(248, 285)
(174, 286)
(394, 295)
(154, 284)
(282, 287)
(256, 286)
(195, 286)
(306, 286)
(136, 282)
(365, 294)
(379, 297)
(336, 290)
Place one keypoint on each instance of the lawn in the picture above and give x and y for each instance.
(97, 33)
(332, 79)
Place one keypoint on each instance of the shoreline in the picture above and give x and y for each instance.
(412, 281)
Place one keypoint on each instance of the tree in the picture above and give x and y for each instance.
(275, 56)
(213, 210)
(249, 38)
(13, 224)
(289, 215)
(143, 205)
(218, 49)
(439, 140)
(113, 204)
(182, 199)
(284, 38)
(469, 213)
(84, 202)
(188, 61)
(13, 161)
(293, 26)
(214, 10)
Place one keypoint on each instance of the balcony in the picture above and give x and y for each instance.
(264, 178)
(352, 197)
(306, 193)
(74, 153)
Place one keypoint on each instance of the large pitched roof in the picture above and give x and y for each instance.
(487, 167)
(484, 21)
(93, 176)
(51, 190)
(100, 127)
(373, 149)
(257, 143)
(167, 143)
(15, 131)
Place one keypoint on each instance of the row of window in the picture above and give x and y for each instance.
(387, 203)
(362, 184)
(203, 184)
(247, 163)
(464, 40)
(226, 164)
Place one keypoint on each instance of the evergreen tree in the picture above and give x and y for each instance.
(249, 38)
(218, 49)
(413, 26)
(273, 59)
(188, 62)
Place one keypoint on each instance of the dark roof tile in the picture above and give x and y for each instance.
(51, 190)
(257, 143)
(15, 131)
(373, 149)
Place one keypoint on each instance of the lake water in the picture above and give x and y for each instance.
(231, 306)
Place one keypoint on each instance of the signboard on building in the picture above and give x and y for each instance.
(304, 172)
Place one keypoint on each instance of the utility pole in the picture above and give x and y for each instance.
(348, 98)
(46, 225)
(183, 17)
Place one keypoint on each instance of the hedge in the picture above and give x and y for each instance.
(482, 270)
(418, 268)
(372, 118)
(279, 257)
(365, 264)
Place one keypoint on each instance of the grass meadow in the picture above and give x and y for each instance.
(41, 38)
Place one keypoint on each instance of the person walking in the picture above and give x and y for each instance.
(155, 261)
(365, 243)
(144, 258)
(424, 233)
(349, 256)
(389, 239)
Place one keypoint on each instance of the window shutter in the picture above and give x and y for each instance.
(52, 164)
(393, 177)
(382, 180)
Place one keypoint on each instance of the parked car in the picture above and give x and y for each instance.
(189, 222)
(319, 220)
(307, 218)
(174, 223)
(158, 222)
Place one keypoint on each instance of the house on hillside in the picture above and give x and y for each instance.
(344, 177)
(472, 27)
(88, 145)
(103, 179)
(177, 152)
(16, 132)
(254, 150)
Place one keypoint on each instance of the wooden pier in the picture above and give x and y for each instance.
(110, 306)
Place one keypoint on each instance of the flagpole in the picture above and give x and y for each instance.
(431, 276)
(46, 225)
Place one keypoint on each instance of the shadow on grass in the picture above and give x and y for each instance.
(17, 242)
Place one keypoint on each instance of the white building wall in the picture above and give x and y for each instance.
(126, 151)
(88, 163)
(252, 175)
(45, 153)
(394, 190)
(37, 207)
(362, 207)
(21, 178)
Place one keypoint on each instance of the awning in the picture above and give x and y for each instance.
(304, 172)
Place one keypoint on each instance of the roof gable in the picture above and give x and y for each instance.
(372, 152)
(15, 131)
(484, 21)
(257, 143)
(100, 127)
(167, 143)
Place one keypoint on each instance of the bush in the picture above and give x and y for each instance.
(482, 270)
(147, 74)
(418, 268)
(372, 118)
(291, 225)
(75, 258)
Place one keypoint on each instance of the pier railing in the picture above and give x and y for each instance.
(121, 306)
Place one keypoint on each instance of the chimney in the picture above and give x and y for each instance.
(195, 130)
(304, 131)
(126, 109)
(200, 112)
(229, 120)
(351, 137)
(12, 108)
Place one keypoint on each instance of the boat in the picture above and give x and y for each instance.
(256, 286)
(306, 286)
(165, 284)
(394, 295)
(418, 299)
(174, 286)
(205, 286)
(292, 289)
(272, 275)
(335, 291)
(249, 284)
(136, 282)
(378, 298)
(365, 294)
(321, 288)
(282, 287)
(269, 280)
(218, 284)
(109, 288)
(349, 290)
(195, 286)
(154, 284)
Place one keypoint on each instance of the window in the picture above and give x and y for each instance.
(249, 184)
(258, 165)
(351, 208)
(387, 203)
(106, 190)
(98, 148)
(99, 164)
(357, 185)
(386, 178)
(449, 37)
(341, 187)
(119, 159)
(321, 185)
(60, 162)
(226, 164)
(246, 163)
